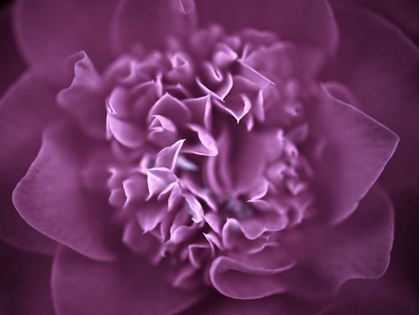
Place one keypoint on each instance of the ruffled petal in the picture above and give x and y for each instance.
(151, 215)
(202, 193)
(380, 65)
(238, 106)
(206, 145)
(171, 108)
(168, 156)
(51, 199)
(201, 110)
(134, 20)
(303, 21)
(262, 222)
(48, 30)
(158, 179)
(162, 131)
(130, 286)
(24, 111)
(194, 208)
(135, 189)
(352, 150)
(84, 98)
(251, 277)
(125, 132)
(24, 283)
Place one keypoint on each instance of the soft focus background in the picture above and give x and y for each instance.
(395, 293)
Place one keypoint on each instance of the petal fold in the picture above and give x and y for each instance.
(168, 156)
(352, 150)
(84, 98)
(235, 279)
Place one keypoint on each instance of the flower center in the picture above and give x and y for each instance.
(207, 137)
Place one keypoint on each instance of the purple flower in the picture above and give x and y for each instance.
(212, 158)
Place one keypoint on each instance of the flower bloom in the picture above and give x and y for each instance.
(182, 162)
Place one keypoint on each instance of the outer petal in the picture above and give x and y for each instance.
(49, 30)
(17, 232)
(380, 65)
(51, 199)
(357, 248)
(352, 151)
(24, 111)
(130, 287)
(150, 22)
(24, 283)
(309, 22)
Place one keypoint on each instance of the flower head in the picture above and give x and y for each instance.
(203, 147)
(203, 159)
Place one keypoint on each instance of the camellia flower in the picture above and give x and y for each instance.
(172, 153)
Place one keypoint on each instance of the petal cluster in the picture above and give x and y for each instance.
(204, 142)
